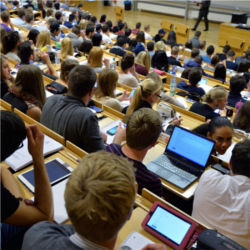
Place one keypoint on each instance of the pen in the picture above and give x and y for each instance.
(75, 158)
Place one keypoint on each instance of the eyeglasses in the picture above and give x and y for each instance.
(158, 96)
(20, 146)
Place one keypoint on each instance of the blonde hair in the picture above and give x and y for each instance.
(160, 45)
(3, 59)
(67, 48)
(214, 94)
(143, 58)
(106, 83)
(83, 24)
(43, 39)
(142, 92)
(99, 195)
(95, 57)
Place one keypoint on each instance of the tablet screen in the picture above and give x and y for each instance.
(169, 225)
(55, 171)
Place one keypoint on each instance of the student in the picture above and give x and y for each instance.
(160, 45)
(69, 24)
(160, 36)
(29, 98)
(67, 50)
(142, 63)
(216, 98)
(6, 22)
(194, 52)
(119, 48)
(5, 75)
(194, 77)
(55, 31)
(160, 60)
(33, 35)
(171, 40)
(18, 213)
(140, 46)
(237, 84)
(230, 64)
(223, 56)
(127, 35)
(105, 35)
(195, 40)
(104, 93)
(188, 45)
(241, 120)
(43, 40)
(137, 28)
(139, 139)
(21, 17)
(90, 31)
(86, 46)
(97, 39)
(220, 130)
(145, 96)
(59, 17)
(172, 60)
(220, 72)
(127, 74)
(210, 51)
(103, 19)
(245, 57)
(29, 21)
(151, 49)
(75, 36)
(222, 201)
(146, 32)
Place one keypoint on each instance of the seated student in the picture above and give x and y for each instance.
(188, 45)
(241, 120)
(216, 98)
(97, 40)
(104, 93)
(142, 63)
(10, 44)
(105, 35)
(127, 74)
(160, 60)
(145, 96)
(139, 139)
(6, 22)
(220, 130)
(194, 77)
(27, 97)
(195, 40)
(55, 31)
(20, 19)
(5, 75)
(69, 24)
(17, 213)
(220, 72)
(75, 36)
(172, 60)
(59, 17)
(195, 52)
(160, 36)
(185, 75)
(86, 47)
(132, 44)
(209, 53)
(223, 56)
(67, 50)
(140, 46)
(160, 45)
(237, 84)
(119, 48)
(90, 31)
(230, 64)
(171, 40)
(146, 32)
(137, 28)
(222, 201)
(29, 21)
(214, 62)
(103, 19)
(245, 57)
(127, 35)
(202, 48)
(43, 40)
(151, 49)
(33, 35)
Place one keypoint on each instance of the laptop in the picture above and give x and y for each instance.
(185, 158)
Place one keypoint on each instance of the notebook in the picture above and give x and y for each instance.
(184, 159)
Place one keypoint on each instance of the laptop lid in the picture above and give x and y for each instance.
(189, 147)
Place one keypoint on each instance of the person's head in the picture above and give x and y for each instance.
(161, 33)
(83, 24)
(198, 59)
(121, 42)
(237, 84)
(25, 52)
(143, 129)
(59, 16)
(138, 25)
(21, 13)
(49, 12)
(66, 66)
(95, 57)
(210, 50)
(98, 28)
(43, 39)
(175, 51)
(67, 48)
(150, 46)
(195, 75)
(120, 25)
(240, 159)
(188, 44)
(160, 60)
(140, 37)
(107, 81)
(220, 72)
(5, 68)
(55, 28)
(143, 58)
(115, 30)
(29, 18)
(5, 16)
(195, 52)
(90, 31)
(72, 17)
(33, 34)
(147, 28)
(185, 73)
(105, 28)
(110, 24)
(231, 54)
(127, 62)
(132, 44)
(148, 91)
(103, 18)
(247, 54)
(13, 132)
(76, 29)
(26, 75)
(160, 45)
(217, 96)
(243, 66)
(202, 44)
(226, 49)
(93, 19)
(215, 60)
(49, 3)
(171, 40)
(10, 41)
(97, 39)
(197, 34)
(16, 3)
(57, 6)
(242, 120)
(86, 46)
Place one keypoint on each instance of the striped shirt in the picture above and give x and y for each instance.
(144, 177)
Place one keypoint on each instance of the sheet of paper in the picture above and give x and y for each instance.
(227, 156)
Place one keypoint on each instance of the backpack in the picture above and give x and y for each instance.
(165, 110)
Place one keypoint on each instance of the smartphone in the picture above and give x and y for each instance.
(112, 131)
(190, 100)
(132, 93)
(98, 110)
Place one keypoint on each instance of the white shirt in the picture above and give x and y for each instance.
(106, 39)
(148, 36)
(223, 202)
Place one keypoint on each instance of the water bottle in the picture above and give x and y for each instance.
(57, 59)
(173, 84)
(113, 64)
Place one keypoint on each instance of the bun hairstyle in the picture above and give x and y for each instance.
(216, 93)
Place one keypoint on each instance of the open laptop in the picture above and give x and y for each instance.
(184, 159)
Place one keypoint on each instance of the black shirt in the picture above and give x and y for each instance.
(16, 102)
(203, 109)
(4, 88)
(173, 61)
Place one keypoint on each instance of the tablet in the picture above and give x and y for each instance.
(57, 171)
(169, 225)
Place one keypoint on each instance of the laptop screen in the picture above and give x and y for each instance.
(190, 146)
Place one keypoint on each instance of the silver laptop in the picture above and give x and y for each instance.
(184, 159)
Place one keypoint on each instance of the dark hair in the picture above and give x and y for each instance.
(103, 18)
(220, 72)
(195, 52)
(197, 33)
(10, 41)
(29, 17)
(86, 46)
(58, 15)
(109, 23)
(226, 48)
(194, 76)
(13, 132)
(132, 44)
(78, 75)
(5, 16)
(237, 84)
(247, 54)
(243, 66)
(198, 59)
(49, 4)
(210, 50)
(105, 28)
(185, 72)
(76, 29)
(121, 40)
(127, 32)
(231, 53)
(127, 61)
(121, 25)
(115, 29)
(89, 29)
(188, 44)
(160, 60)
(150, 46)
(240, 158)
(72, 17)
(97, 39)
(202, 44)
(93, 19)
(25, 51)
(98, 28)
(138, 25)
(140, 37)
(241, 119)
(57, 6)
(54, 26)
(15, 3)
(171, 40)
(21, 13)
(33, 35)
(215, 59)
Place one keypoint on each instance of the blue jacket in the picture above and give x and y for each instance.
(192, 64)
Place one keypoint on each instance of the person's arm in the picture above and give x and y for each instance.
(34, 113)
(120, 135)
(43, 206)
(132, 71)
(45, 58)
